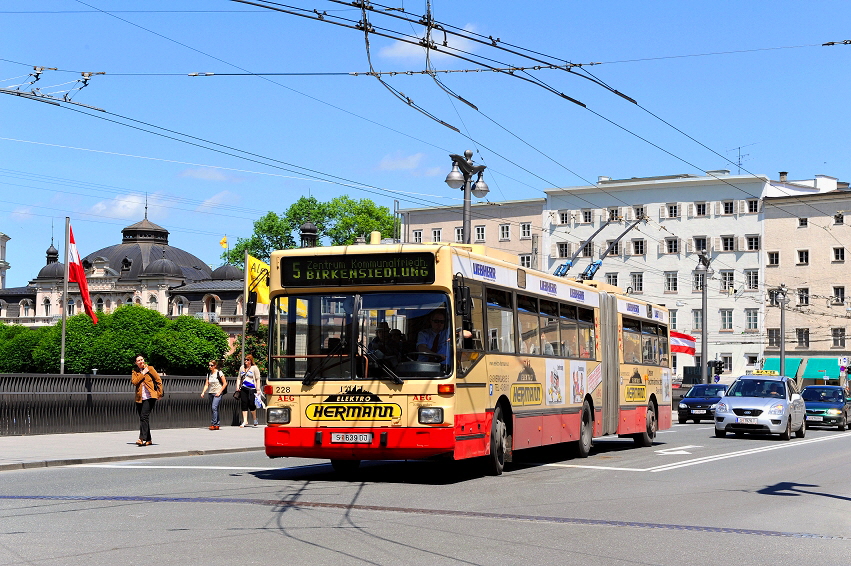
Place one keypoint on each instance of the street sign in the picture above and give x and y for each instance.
(843, 361)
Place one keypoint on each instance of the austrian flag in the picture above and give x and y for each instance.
(76, 274)
(682, 343)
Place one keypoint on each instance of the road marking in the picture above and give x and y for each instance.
(676, 450)
(145, 466)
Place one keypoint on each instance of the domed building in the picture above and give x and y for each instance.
(143, 269)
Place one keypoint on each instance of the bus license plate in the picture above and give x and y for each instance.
(351, 437)
(812, 418)
(698, 411)
(746, 420)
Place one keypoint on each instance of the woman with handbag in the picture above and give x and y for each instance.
(149, 388)
(215, 386)
(249, 377)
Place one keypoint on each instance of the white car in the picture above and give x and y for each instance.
(761, 404)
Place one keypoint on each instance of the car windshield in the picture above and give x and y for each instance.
(757, 388)
(706, 391)
(822, 395)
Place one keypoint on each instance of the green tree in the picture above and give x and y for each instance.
(256, 345)
(186, 344)
(339, 221)
(17, 344)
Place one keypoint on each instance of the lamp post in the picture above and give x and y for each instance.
(780, 296)
(703, 269)
(459, 178)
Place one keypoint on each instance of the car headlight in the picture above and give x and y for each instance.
(777, 409)
(278, 415)
(430, 415)
(833, 412)
(683, 406)
(722, 408)
(713, 406)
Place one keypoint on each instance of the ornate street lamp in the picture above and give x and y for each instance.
(459, 178)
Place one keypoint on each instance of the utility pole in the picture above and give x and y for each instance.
(703, 269)
(783, 300)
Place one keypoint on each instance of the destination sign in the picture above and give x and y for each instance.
(361, 269)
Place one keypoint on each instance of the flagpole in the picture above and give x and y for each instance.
(244, 307)
(63, 305)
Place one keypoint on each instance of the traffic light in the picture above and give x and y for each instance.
(717, 367)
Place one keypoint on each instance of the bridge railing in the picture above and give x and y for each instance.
(51, 403)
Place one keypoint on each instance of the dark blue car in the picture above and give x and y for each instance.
(827, 405)
(699, 402)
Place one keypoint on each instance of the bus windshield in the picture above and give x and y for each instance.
(395, 336)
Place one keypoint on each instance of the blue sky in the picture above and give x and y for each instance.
(751, 75)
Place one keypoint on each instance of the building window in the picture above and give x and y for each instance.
(774, 258)
(27, 308)
(563, 249)
(838, 254)
(697, 319)
(613, 214)
(181, 307)
(802, 222)
(639, 211)
(99, 305)
(436, 235)
(480, 233)
(612, 279)
(672, 319)
(588, 250)
(726, 280)
(525, 230)
(804, 296)
(803, 257)
(753, 206)
(803, 335)
(673, 211)
(459, 234)
(152, 302)
(728, 243)
(587, 216)
(46, 307)
(838, 335)
(727, 362)
(697, 280)
(726, 319)
(564, 217)
(672, 245)
(616, 248)
(504, 231)
(751, 279)
(637, 280)
(752, 359)
(752, 319)
(526, 260)
(839, 295)
(671, 282)
(729, 207)
(700, 244)
(774, 337)
(418, 236)
(700, 209)
(838, 218)
(753, 243)
(638, 247)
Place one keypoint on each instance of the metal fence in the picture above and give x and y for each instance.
(51, 403)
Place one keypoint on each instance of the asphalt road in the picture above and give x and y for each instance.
(691, 498)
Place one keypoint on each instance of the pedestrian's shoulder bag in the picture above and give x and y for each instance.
(224, 383)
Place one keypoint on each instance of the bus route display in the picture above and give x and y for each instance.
(361, 269)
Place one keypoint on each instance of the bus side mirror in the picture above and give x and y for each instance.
(462, 299)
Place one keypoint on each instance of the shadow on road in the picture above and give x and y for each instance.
(790, 489)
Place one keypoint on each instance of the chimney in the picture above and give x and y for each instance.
(783, 175)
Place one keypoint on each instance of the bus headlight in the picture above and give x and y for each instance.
(278, 415)
(430, 415)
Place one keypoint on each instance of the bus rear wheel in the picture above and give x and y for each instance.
(499, 439)
(586, 432)
(345, 467)
(646, 438)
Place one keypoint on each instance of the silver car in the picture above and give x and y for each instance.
(761, 404)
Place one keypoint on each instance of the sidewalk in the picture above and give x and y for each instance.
(41, 450)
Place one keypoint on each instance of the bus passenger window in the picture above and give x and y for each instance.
(500, 321)
(586, 333)
(468, 345)
(663, 347)
(527, 315)
(631, 341)
(550, 345)
(650, 343)
(569, 329)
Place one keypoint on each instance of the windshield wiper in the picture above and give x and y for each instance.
(371, 356)
(310, 377)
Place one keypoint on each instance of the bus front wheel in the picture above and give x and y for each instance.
(646, 438)
(499, 439)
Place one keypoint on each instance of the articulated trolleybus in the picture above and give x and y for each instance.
(409, 351)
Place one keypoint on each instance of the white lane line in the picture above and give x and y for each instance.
(144, 466)
(676, 450)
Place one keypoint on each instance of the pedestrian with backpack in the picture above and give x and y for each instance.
(215, 387)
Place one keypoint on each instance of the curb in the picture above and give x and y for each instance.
(100, 459)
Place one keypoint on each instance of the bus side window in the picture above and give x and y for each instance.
(473, 323)
(500, 321)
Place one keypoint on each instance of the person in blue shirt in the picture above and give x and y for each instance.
(249, 378)
(433, 342)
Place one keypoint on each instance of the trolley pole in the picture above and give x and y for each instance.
(703, 268)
